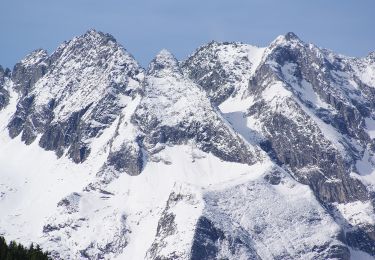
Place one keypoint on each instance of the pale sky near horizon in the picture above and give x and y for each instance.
(145, 27)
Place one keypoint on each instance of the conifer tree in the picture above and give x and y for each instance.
(16, 251)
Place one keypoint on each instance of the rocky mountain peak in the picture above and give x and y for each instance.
(4, 94)
(35, 57)
(83, 59)
(289, 40)
(247, 140)
(290, 36)
(29, 70)
(87, 83)
(164, 62)
(223, 69)
(94, 34)
(371, 55)
(93, 38)
(3, 75)
(7, 72)
(87, 46)
(175, 110)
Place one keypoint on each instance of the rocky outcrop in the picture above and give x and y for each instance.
(169, 231)
(174, 110)
(329, 76)
(212, 243)
(311, 124)
(29, 70)
(293, 133)
(4, 93)
(263, 229)
(222, 69)
(87, 83)
(237, 152)
(309, 108)
(312, 157)
(224, 230)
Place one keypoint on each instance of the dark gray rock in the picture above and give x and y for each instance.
(298, 143)
(208, 242)
(293, 141)
(208, 138)
(70, 203)
(166, 227)
(210, 132)
(297, 150)
(95, 52)
(217, 76)
(24, 76)
(4, 93)
(27, 72)
(213, 78)
(350, 106)
(128, 159)
(58, 136)
(21, 118)
(362, 238)
(274, 177)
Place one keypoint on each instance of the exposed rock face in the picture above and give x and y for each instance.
(330, 78)
(129, 159)
(167, 229)
(310, 108)
(212, 243)
(252, 227)
(89, 80)
(174, 110)
(237, 152)
(225, 231)
(71, 223)
(4, 93)
(288, 120)
(28, 71)
(313, 159)
(222, 69)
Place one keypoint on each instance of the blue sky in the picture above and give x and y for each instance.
(144, 27)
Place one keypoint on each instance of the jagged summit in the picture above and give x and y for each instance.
(287, 40)
(84, 84)
(236, 152)
(29, 70)
(290, 36)
(223, 69)
(35, 57)
(4, 91)
(371, 55)
(165, 56)
(176, 110)
(164, 63)
(88, 57)
(5, 72)
(92, 39)
(215, 44)
(92, 33)
(93, 36)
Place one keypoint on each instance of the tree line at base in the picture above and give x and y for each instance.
(16, 251)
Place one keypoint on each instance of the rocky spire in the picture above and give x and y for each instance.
(29, 70)
(163, 63)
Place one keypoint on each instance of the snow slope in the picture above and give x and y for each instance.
(237, 152)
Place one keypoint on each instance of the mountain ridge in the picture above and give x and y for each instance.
(276, 140)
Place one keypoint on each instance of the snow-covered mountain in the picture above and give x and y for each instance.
(237, 152)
